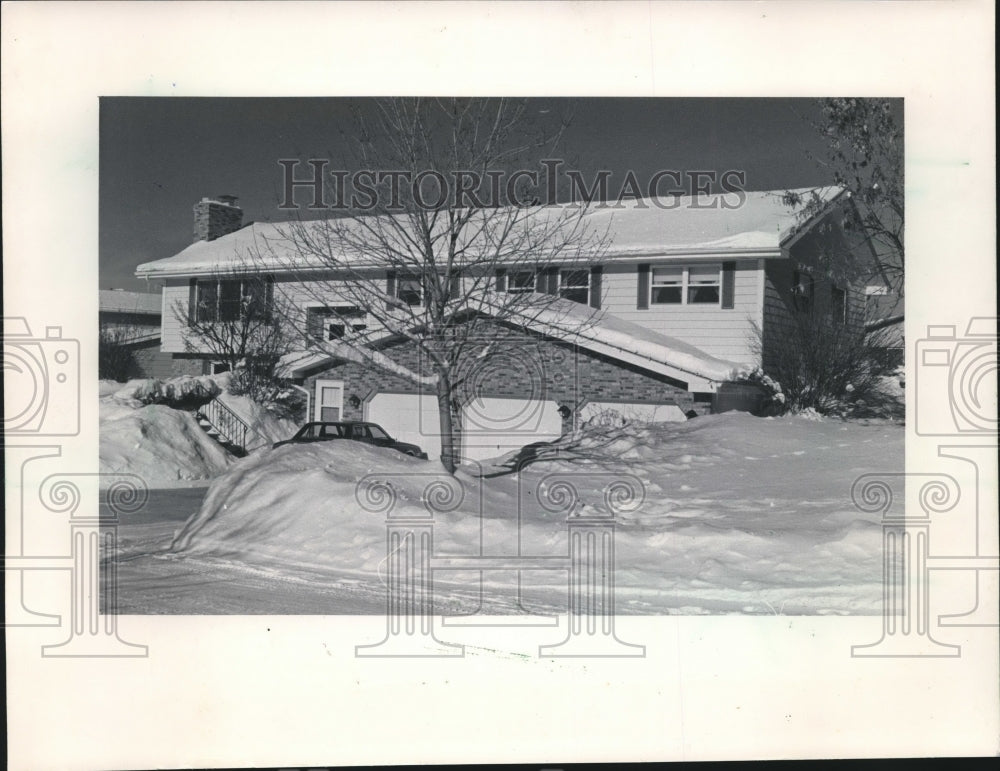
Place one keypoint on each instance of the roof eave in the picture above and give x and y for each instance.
(622, 258)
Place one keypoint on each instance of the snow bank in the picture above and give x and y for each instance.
(297, 504)
(160, 444)
(141, 434)
(738, 514)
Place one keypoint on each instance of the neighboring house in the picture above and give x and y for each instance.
(133, 320)
(682, 294)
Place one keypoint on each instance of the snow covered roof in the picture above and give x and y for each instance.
(576, 324)
(676, 226)
(116, 301)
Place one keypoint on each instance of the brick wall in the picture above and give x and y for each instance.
(520, 365)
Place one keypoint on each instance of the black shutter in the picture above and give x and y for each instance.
(390, 287)
(268, 298)
(595, 286)
(728, 284)
(192, 301)
(501, 280)
(642, 297)
(454, 285)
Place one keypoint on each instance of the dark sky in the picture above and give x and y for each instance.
(159, 156)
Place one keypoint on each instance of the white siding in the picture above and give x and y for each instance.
(175, 302)
(724, 333)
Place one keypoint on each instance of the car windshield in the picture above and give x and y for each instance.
(378, 433)
(308, 432)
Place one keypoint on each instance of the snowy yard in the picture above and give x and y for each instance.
(738, 515)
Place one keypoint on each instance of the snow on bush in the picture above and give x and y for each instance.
(183, 392)
(737, 514)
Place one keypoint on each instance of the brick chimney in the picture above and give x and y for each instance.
(215, 217)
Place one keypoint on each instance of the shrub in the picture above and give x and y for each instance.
(834, 369)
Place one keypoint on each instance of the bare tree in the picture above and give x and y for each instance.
(236, 319)
(429, 260)
(116, 350)
(865, 156)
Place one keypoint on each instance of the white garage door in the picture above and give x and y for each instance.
(492, 427)
(615, 413)
(409, 418)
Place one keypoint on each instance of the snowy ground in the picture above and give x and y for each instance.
(738, 515)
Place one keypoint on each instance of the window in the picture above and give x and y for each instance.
(803, 288)
(334, 323)
(232, 299)
(521, 282)
(667, 286)
(694, 285)
(575, 285)
(377, 433)
(208, 301)
(409, 289)
(703, 284)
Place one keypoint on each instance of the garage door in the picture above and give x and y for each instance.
(616, 413)
(493, 427)
(409, 418)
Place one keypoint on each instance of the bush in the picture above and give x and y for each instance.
(255, 378)
(182, 393)
(834, 369)
(115, 357)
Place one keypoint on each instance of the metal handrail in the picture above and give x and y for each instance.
(230, 426)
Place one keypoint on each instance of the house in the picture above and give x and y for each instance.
(131, 321)
(686, 296)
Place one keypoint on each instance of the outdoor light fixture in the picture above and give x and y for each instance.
(564, 411)
(354, 401)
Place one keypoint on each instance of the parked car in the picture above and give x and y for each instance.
(369, 433)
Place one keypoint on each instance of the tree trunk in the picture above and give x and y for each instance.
(449, 449)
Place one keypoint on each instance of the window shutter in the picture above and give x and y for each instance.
(642, 296)
(729, 285)
(192, 301)
(454, 285)
(268, 298)
(595, 286)
(390, 287)
(553, 280)
(501, 280)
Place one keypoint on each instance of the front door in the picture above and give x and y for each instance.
(329, 400)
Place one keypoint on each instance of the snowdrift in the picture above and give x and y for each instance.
(160, 444)
(734, 513)
(141, 432)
